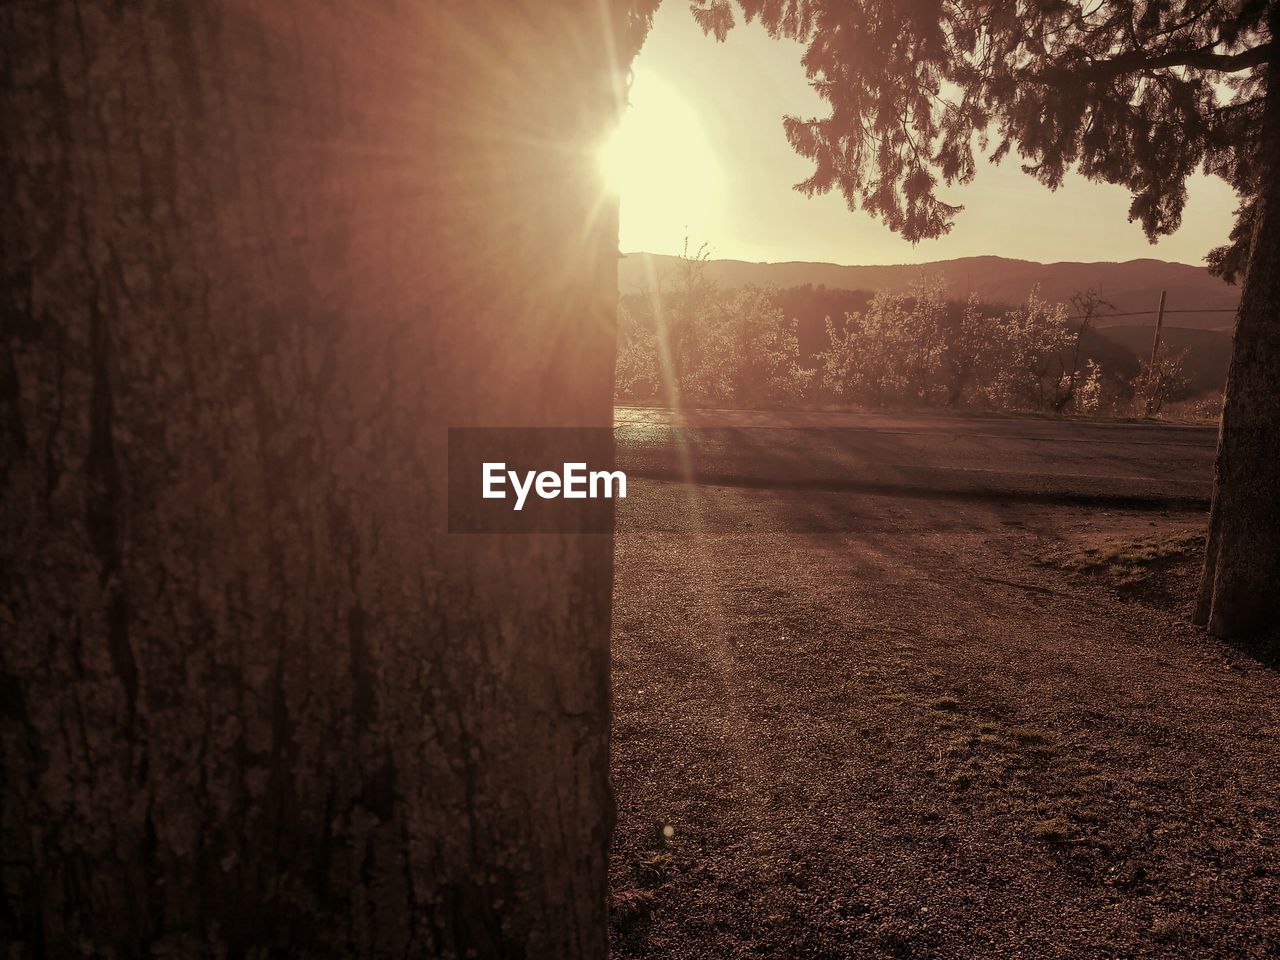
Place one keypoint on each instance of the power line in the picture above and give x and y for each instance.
(1148, 313)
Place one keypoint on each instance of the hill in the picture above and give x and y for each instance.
(1134, 285)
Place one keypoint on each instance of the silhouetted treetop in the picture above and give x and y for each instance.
(1137, 94)
(637, 19)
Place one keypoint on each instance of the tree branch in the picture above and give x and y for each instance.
(1139, 60)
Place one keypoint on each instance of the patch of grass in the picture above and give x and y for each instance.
(1134, 555)
(1056, 832)
(1095, 784)
(1029, 737)
(632, 902)
(653, 869)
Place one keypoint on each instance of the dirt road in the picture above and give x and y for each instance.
(905, 726)
(935, 455)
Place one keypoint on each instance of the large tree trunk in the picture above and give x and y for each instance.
(1240, 584)
(253, 698)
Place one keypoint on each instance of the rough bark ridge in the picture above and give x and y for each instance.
(253, 700)
(1240, 585)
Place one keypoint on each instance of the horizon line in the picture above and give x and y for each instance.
(924, 263)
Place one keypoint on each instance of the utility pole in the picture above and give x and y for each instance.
(1155, 344)
(1155, 387)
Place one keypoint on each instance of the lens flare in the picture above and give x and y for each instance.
(663, 168)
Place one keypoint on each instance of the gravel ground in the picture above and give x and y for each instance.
(860, 726)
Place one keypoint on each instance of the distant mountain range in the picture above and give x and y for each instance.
(1195, 299)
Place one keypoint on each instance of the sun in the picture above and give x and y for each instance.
(663, 168)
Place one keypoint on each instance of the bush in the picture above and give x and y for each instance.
(1030, 342)
(688, 342)
(891, 352)
(1160, 382)
(695, 343)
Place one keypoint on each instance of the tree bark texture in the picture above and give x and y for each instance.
(1240, 584)
(253, 700)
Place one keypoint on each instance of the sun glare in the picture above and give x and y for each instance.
(663, 169)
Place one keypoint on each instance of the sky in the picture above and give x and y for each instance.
(702, 154)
